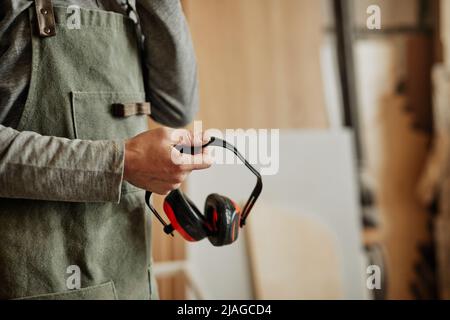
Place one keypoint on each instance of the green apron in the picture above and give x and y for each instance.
(77, 76)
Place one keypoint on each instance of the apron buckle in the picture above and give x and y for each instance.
(45, 18)
(124, 110)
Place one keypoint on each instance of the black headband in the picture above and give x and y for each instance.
(216, 142)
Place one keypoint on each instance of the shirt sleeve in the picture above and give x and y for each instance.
(58, 169)
(170, 63)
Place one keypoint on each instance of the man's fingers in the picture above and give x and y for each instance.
(183, 137)
(195, 167)
(152, 162)
(184, 157)
(199, 161)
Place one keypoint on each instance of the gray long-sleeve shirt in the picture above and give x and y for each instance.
(50, 168)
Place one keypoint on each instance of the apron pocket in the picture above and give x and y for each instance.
(104, 291)
(93, 119)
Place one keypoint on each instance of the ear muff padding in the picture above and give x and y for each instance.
(223, 216)
(185, 216)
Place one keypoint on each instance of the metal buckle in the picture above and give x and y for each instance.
(46, 18)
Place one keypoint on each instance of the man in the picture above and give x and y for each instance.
(75, 155)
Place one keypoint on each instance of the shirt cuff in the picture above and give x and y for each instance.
(118, 162)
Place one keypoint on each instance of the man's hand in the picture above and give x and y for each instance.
(152, 163)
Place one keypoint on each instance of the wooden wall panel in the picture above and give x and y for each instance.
(405, 220)
(259, 62)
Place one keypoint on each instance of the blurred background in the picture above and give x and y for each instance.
(363, 180)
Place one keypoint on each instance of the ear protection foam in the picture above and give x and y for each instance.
(224, 217)
(185, 216)
(220, 222)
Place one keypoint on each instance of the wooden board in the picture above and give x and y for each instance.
(405, 220)
(284, 267)
(435, 182)
(259, 62)
(380, 68)
(395, 151)
(445, 30)
(418, 80)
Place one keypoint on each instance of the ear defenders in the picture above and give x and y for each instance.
(222, 218)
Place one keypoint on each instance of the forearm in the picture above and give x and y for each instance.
(57, 169)
(171, 69)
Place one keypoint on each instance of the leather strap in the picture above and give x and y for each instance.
(46, 18)
(130, 7)
(124, 110)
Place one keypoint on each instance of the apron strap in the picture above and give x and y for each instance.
(45, 18)
(130, 7)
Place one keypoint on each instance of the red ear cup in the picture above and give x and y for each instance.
(185, 217)
(223, 216)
